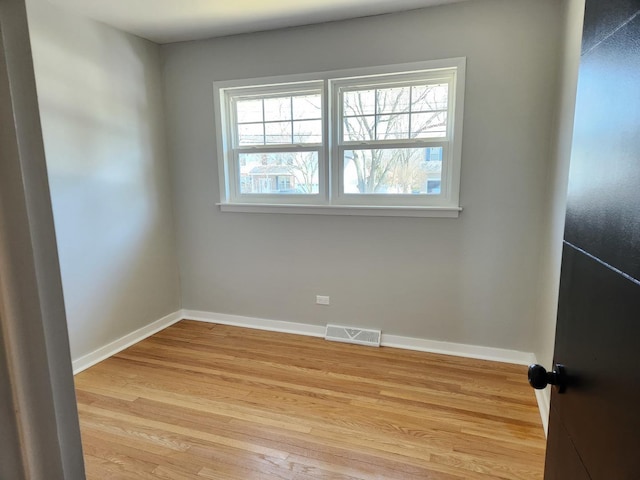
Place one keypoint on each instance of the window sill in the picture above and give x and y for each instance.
(368, 210)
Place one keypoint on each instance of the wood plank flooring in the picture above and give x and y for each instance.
(204, 401)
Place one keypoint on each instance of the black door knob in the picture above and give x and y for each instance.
(539, 378)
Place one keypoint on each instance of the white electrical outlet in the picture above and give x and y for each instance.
(322, 300)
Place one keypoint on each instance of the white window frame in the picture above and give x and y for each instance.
(330, 199)
(232, 150)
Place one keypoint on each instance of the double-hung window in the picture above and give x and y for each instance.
(377, 141)
(275, 147)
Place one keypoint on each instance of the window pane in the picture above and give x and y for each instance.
(277, 109)
(307, 107)
(429, 125)
(279, 173)
(393, 100)
(426, 98)
(251, 134)
(359, 102)
(359, 128)
(270, 121)
(397, 171)
(248, 111)
(279, 132)
(393, 127)
(307, 131)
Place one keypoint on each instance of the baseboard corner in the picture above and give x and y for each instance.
(125, 341)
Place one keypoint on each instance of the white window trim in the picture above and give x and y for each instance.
(326, 202)
(231, 155)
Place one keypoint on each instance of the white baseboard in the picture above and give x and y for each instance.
(120, 344)
(253, 322)
(543, 398)
(407, 343)
(457, 349)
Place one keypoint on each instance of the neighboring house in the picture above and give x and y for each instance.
(267, 179)
(433, 167)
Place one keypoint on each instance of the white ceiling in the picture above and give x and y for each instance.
(166, 21)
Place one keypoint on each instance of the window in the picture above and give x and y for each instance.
(383, 141)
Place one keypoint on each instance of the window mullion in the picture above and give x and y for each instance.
(279, 148)
(330, 132)
(291, 112)
(388, 144)
(375, 114)
(264, 127)
(410, 104)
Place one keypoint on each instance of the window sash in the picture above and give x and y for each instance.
(340, 145)
(276, 198)
(233, 96)
(392, 199)
(342, 86)
(234, 149)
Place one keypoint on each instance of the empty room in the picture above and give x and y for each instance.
(304, 240)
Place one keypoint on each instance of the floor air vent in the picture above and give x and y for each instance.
(360, 336)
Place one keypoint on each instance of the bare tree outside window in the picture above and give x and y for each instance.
(382, 115)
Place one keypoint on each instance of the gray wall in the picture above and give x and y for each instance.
(475, 279)
(100, 98)
(558, 178)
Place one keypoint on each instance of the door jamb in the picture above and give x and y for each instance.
(38, 397)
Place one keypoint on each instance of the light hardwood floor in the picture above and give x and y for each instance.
(204, 401)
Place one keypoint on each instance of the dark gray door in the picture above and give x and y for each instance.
(594, 427)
